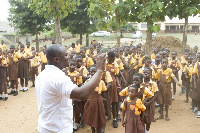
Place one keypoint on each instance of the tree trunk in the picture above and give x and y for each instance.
(57, 31)
(148, 46)
(184, 42)
(87, 39)
(118, 34)
(121, 33)
(81, 38)
(36, 39)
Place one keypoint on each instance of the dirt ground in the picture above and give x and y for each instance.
(19, 115)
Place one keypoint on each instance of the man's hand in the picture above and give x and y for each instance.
(101, 60)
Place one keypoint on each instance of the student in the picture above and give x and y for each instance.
(87, 61)
(72, 54)
(13, 70)
(80, 68)
(94, 112)
(113, 68)
(76, 78)
(154, 54)
(157, 64)
(3, 47)
(77, 46)
(91, 53)
(3, 78)
(98, 48)
(183, 64)
(35, 63)
(72, 47)
(23, 68)
(164, 77)
(175, 66)
(147, 63)
(187, 76)
(28, 48)
(149, 102)
(43, 58)
(196, 94)
(132, 107)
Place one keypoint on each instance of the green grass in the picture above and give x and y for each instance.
(193, 40)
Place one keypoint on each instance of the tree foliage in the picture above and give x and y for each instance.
(22, 18)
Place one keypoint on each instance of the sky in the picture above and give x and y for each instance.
(4, 10)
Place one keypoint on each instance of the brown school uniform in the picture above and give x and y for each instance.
(183, 78)
(87, 62)
(132, 112)
(128, 74)
(12, 66)
(150, 110)
(155, 68)
(187, 75)
(3, 77)
(174, 64)
(196, 93)
(94, 112)
(78, 106)
(83, 70)
(114, 70)
(164, 86)
(23, 65)
(106, 77)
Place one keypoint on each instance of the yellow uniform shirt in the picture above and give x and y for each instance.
(83, 70)
(147, 92)
(78, 79)
(116, 69)
(183, 60)
(178, 63)
(3, 47)
(108, 78)
(129, 58)
(26, 54)
(195, 70)
(28, 50)
(43, 57)
(153, 56)
(101, 87)
(140, 61)
(119, 62)
(35, 61)
(16, 56)
(68, 51)
(77, 48)
(152, 86)
(87, 62)
(139, 106)
(166, 72)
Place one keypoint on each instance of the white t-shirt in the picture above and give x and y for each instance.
(53, 89)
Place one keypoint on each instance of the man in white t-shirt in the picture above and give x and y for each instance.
(55, 91)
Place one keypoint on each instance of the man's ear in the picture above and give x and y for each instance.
(56, 59)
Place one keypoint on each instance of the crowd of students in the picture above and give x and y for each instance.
(132, 84)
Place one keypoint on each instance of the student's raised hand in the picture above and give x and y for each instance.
(101, 61)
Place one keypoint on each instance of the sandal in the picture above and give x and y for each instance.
(167, 119)
(160, 117)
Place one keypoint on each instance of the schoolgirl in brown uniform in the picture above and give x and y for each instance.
(175, 66)
(76, 78)
(3, 78)
(13, 70)
(164, 76)
(94, 112)
(148, 115)
(196, 94)
(156, 65)
(132, 107)
(183, 78)
(23, 68)
(113, 68)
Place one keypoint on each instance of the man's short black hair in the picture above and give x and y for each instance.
(54, 50)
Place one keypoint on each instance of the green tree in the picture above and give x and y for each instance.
(148, 11)
(25, 20)
(54, 9)
(183, 9)
(110, 14)
(78, 22)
